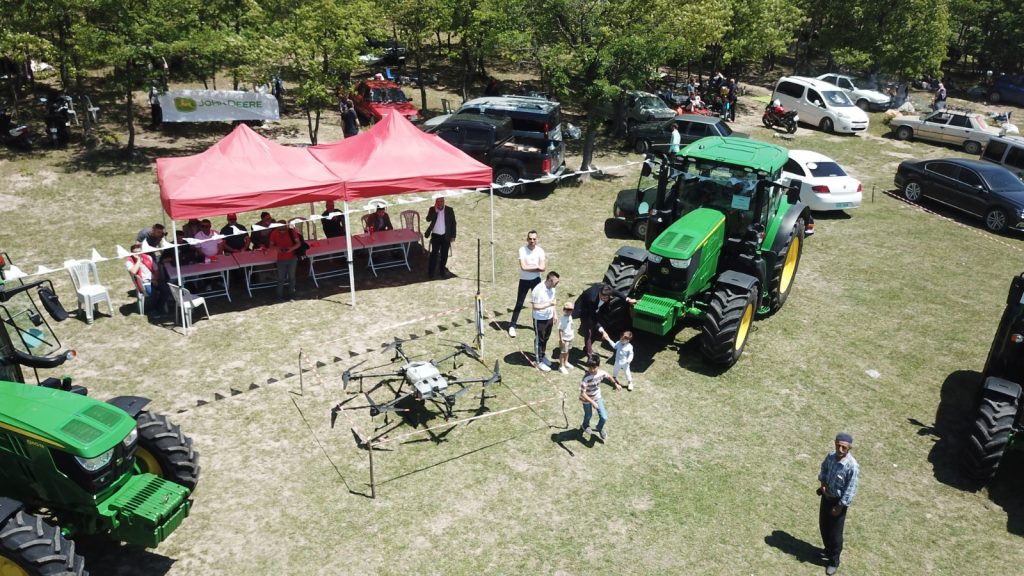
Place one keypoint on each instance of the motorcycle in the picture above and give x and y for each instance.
(58, 120)
(14, 135)
(776, 115)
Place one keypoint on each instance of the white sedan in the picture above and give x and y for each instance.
(826, 186)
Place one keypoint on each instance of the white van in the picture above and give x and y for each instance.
(821, 104)
(1008, 152)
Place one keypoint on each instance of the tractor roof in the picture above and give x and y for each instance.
(71, 422)
(738, 151)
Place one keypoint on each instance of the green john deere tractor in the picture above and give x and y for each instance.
(999, 415)
(71, 465)
(724, 242)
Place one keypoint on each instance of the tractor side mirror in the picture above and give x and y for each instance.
(52, 304)
(648, 166)
(793, 193)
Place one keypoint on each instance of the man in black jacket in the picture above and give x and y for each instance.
(441, 232)
(590, 305)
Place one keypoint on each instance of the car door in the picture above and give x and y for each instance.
(970, 194)
(941, 181)
(814, 107)
(959, 129)
(933, 127)
(695, 131)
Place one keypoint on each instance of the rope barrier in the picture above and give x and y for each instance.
(982, 233)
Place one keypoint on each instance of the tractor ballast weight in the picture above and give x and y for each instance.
(71, 465)
(723, 244)
(998, 419)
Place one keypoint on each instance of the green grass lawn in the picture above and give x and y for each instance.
(888, 325)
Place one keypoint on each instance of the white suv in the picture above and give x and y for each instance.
(820, 104)
(857, 89)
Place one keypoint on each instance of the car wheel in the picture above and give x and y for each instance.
(826, 125)
(505, 176)
(862, 104)
(995, 98)
(995, 220)
(973, 148)
(912, 191)
(640, 229)
(641, 146)
(904, 133)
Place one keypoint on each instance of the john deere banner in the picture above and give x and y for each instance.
(217, 106)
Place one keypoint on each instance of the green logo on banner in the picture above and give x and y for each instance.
(182, 104)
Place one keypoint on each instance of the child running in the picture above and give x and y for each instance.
(590, 396)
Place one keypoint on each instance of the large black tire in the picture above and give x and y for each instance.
(164, 451)
(787, 262)
(726, 326)
(623, 275)
(826, 125)
(990, 436)
(30, 546)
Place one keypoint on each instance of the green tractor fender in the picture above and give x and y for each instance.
(736, 280)
(786, 224)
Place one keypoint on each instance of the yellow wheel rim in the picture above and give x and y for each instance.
(9, 568)
(741, 334)
(147, 462)
(789, 268)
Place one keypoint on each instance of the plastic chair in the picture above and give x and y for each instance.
(411, 221)
(87, 285)
(93, 111)
(366, 222)
(183, 298)
(139, 291)
(446, 106)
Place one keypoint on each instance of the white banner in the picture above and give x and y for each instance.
(217, 106)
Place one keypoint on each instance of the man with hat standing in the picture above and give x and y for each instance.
(838, 485)
(441, 232)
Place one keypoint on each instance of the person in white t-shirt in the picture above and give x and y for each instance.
(208, 246)
(623, 357)
(543, 300)
(566, 332)
(532, 262)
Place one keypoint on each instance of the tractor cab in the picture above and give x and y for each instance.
(26, 340)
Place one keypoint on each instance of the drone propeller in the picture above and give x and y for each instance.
(347, 374)
(496, 377)
(395, 344)
(468, 350)
(334, 415)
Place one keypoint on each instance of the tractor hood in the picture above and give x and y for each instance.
(686, 236)
(70, 422)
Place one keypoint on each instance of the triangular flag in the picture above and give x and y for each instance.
(236, 230)
(257, 228)
(13, 273)
(96, 256)
(43, 270)
(192, 241)
(122, 253)
(147, 248)
(315, 217)
(165, 244)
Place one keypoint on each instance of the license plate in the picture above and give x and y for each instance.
(844, 204)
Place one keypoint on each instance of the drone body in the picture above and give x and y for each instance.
(425, 378)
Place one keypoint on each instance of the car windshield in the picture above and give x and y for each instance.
(862, 83)
(825, 169)
(724, 129)
(652, 102)
(837, 98)
(387, 95)
(1005, 181)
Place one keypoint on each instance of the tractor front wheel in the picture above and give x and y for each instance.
(990, 436)
(31, 546)
(787, 262)
(727, 324)
(164, 451)
(626, 275)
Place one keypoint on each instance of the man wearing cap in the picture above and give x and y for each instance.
(441, 232)
(235, 240)
(837, 486)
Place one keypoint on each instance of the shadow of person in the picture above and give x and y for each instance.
(804, 552)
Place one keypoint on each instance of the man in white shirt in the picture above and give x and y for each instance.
(208, 246)
(673, 147)
(532, 261)
(543, 300)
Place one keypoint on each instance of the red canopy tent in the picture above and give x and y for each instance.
(241, 173)
(395, 157)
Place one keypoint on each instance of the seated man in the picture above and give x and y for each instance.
(187, 254)
(233, 241)
(380, 220)
(148, 280)
(333, 222)
(207, 245)
(152, 235)
(261, 238)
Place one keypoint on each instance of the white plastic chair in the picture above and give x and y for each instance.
(87, 285)
(411, 221)
(183, 298)
(140, 292)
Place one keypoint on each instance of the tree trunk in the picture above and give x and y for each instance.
(309, 125)
(589, 137)
(130, 115)
(467, 72)
(423, 83)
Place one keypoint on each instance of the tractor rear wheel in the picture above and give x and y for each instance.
(31, 546)
(786, 264)
(727, 324)
(164, 451)
(990, 436)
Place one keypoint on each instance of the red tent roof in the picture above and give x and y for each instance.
(395, 157)
(242, 172)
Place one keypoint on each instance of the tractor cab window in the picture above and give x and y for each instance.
(731, 191)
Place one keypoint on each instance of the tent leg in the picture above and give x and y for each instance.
(348, 256)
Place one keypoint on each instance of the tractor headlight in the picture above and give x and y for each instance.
(95, 463)
(130, 438)
(683, 264)
(654, 258)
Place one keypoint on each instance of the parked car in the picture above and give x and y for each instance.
(632, 207)
(980, 188)
(645, 107)
(1008, 152)
(657, 136)
(374, 98)
(1007, 88)
(859, 90)
(824, 183)
(964, 129)
(820, 104)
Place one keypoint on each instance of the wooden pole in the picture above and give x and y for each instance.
(373, 484)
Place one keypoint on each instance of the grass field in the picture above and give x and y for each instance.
(888, 326)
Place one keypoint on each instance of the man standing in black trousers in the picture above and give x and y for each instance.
(838, 485)
(590, 305)
(441, 232)
(532, 262)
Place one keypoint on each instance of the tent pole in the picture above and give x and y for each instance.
(493, 273)
(348, 255)
(177, 266)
